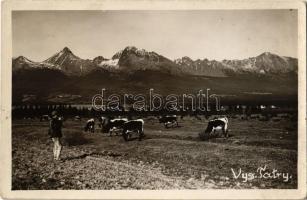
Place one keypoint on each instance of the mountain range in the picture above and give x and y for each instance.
(134, 59)
(67, 78)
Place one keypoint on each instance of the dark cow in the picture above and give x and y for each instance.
(218, 124)
(168, 120)
(77, 118)
(133, 126)
(44, 118)
(110, 125)
(90, 126)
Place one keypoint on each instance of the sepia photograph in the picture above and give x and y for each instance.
(155, 99)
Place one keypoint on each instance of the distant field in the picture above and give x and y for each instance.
(46, 85)
(172, 158)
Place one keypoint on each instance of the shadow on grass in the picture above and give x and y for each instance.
(206, 136)
(76, 139)
(94, 154)
(174, 127)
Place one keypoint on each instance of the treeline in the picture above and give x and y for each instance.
(68, 110)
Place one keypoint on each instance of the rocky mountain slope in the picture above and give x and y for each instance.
(69, 63)
(267, 77)
(265, 63)
(133, 59)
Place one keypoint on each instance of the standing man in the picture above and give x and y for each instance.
(55, 132)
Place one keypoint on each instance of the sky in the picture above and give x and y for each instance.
(211, 34)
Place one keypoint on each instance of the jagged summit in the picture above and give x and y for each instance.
(20, 58)
(267, 54)
(133, 58)
(62, 56)
(24, 59)
(117, 55)
(99, 59)
(66, 49)
(130, 48)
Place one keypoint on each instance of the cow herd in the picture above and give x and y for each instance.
(124, 126)
(127, 128)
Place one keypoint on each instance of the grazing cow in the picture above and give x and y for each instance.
(77, 118)
(44, 118)
(255, 116)
(218, 124)
(90, 126)
(283, 115)
(168, 120)
(264, 118)
(110, 125)
(133, 126)
(276, 119)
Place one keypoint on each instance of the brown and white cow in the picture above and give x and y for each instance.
(133, 126)
(90, 125)
(111, 125)
(218, 124)
(168, 120)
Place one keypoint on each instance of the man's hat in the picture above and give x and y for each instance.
(54, 113)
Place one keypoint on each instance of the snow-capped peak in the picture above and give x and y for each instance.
(112, 63)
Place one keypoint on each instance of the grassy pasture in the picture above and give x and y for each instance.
(173, 158)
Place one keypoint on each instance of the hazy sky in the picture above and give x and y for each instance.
(214, 34)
